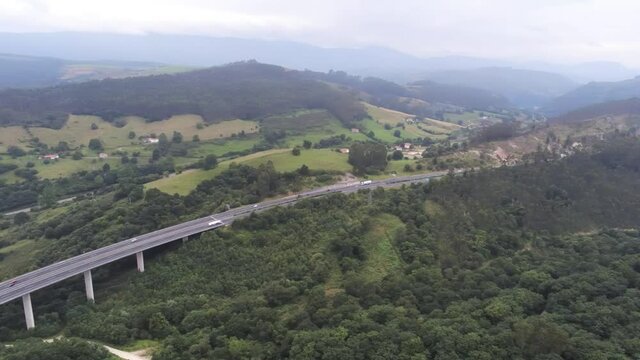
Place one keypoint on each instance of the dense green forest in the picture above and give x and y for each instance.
(540, 261)
(247, 90)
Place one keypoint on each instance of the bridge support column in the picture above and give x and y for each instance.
(140, 260)
(28, 311)
(88, 284)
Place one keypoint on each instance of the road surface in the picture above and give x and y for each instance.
(27, 283)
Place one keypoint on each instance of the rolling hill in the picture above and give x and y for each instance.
(524, 88)
(246, 90)
(20, 71)
(611, 108)
(594, 93)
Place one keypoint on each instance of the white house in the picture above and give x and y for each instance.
(51, 157)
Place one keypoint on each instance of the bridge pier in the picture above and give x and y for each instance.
(88, 284)
(140, 261)
(28, 311)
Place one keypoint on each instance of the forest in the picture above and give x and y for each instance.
(246, 90)
(539, 261)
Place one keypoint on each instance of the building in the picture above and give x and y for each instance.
(407, 146)
(344, 150)
(355, 130)
(103, 156)
(50, 157)
(150, 140)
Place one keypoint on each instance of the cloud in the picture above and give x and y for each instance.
(562, 31)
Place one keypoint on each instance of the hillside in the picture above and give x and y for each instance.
(594, 93)
(497, 264)
(19, 71)
(611, 108)
(243, 90)
(524, 88)
(457, 95)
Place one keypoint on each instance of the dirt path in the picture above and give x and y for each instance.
(135, 355)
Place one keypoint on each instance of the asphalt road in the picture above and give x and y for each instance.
(26, 283)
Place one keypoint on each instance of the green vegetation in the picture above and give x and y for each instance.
(533, 262)
(58, 349)
(282, 160)
(242, 90)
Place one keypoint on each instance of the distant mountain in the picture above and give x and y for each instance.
(21, 71)
(611, 108)
(204, 51)
(464, 96)
(422, 98)
(588, 71)
(524, 88)
(594, 93)
(246, 90)
(28, 71)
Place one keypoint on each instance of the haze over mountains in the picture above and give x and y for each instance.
(202, 51)
(48, 59)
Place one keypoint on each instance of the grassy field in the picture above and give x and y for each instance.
(331, 128)
(282, 159)
(471, 118)
(215, 139)
(382, 257)
(77, 131)
(57, 168)
(436, 130)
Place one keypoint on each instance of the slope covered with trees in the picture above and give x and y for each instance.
(594, 93)
(611, 108)
(540, 261)
(242, 90)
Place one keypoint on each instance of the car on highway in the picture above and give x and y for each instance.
(134, 239)
(13, 283)
(255, 206)
(365, 182)
(215, 222)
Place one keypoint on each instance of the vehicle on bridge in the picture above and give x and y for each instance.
(215, 222)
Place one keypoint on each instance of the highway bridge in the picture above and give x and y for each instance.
(23, 285)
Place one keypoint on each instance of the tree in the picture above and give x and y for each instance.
(94, 126)
(106, 167)
(77, 155)
(95, 144)
(397, 155)
(210, 162)
(176, 138)
(21, 218)
(47, 197)
(15, 151)
(306, 144)
(163, 144)
(155, 155)
(368, 156)
(304, 170)
(131, 135)
(195, 138)
(295, 151)
(397, 133)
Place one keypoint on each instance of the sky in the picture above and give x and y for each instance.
(562, 31)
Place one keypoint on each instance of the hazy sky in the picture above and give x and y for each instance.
(557, 30)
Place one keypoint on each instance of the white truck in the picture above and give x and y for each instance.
(215, 222)
(365, 182)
